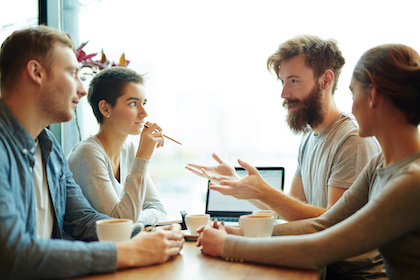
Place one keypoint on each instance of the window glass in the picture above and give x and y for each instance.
(16, 15)
(207, 81)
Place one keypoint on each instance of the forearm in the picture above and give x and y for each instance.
(153, 212)
(289, 208)
(290, 251)
(132, 202)
(27, 257)
(259, 204)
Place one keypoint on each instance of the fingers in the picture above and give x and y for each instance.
(215, 225)
(248, 167)
(156, 131)
(226, 190)
(207, 175)
(176, 227)
(152, 127)
(216, 157)
(195, 166)
(173, 251)
(221, 226)
(194, 170)
(161, 142)
(200, 229)
(174, 234)
(174, 247)
(215, 178)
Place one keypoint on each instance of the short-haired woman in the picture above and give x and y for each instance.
(111, 172)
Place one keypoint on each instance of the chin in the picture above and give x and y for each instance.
(67, 117)
(135, 132)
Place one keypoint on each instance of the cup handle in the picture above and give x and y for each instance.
(137, 225)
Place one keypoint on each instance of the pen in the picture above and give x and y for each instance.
(166, 136)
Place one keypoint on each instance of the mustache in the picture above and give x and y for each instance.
(291, 102)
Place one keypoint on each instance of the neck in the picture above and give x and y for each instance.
(26, 111)
(399, 142)
(112, 141)
(331, 112)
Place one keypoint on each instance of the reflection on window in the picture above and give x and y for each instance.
(207, 81)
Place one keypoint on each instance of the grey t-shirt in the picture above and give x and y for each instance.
(333, 158)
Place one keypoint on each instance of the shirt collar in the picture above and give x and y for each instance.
(19, 133)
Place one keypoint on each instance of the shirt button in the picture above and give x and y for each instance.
(24, 151)
(30, 169)
(33, 150)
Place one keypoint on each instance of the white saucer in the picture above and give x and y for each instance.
(189, 236)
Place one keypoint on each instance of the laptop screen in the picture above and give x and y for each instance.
(219, 205)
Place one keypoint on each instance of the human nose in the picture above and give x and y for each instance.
(142, 112)
(284, 92)
(80, 88)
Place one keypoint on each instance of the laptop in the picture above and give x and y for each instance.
(228, 209)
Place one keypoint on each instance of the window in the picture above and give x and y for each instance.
(17, 14)
(207, 82)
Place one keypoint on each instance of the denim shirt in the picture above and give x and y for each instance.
(22, 254)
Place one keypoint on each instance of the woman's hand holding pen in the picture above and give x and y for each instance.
(150, 138)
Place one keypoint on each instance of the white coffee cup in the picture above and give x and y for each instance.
(256, 225)
(117, 230)
(271, 213)
(195, 221)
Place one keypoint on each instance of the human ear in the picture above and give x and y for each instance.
(328, 79)
(35, 71)
(373, 96)
(104, 108)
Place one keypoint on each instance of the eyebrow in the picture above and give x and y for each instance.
(290, 77)
(134, 98)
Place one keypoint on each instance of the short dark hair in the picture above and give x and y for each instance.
(394, 70)
(108, 85)
(26, 44)
(320, 55)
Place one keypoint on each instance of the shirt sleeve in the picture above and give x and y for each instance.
(24, 256)
(153, 209)
(351, 227)
(351, 157)
(92, 171)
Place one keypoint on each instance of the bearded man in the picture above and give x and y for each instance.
(331, 153)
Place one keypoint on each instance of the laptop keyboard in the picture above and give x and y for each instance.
(226, 219)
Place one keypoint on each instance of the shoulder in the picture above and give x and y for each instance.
(407, 178)
(89, 145)
(346, 131)
(344, 127)
(412, 170)
(305, 139)
(86, 149)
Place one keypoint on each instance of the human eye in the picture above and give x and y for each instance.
(134, 103)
